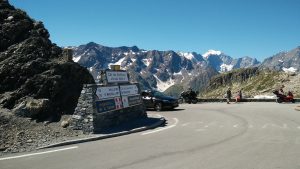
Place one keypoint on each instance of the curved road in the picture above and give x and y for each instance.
(206, 135)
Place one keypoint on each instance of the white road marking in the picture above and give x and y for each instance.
(264, 126)
(298, 127)
(34, 154)
(165, 128)
(200, 130)
(235, 126)
(157, 115)
(284, 126)
(185, 124)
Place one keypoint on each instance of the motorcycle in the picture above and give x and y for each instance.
(188, 97)
(284, 98)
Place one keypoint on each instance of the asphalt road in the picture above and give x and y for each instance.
(206, 135)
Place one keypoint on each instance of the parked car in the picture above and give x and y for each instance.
(158, 100)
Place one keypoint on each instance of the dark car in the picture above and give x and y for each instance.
(158, 100)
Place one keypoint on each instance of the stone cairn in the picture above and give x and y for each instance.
(88, 119)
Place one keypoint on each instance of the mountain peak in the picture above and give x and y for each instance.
(92, 44)
(211, 52)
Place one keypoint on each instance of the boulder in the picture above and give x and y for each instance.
(64, 124)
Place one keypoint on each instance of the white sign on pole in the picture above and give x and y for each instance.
(116, 76)
(108, 92)
(129, 90)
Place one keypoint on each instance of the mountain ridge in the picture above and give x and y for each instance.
(160, 69)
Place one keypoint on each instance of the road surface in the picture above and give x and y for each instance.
(205, 135)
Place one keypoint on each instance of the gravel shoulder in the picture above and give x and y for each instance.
(18, 134)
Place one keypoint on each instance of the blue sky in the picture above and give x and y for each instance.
(256, 28)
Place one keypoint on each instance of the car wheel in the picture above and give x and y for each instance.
(158, 106)
(293, 101)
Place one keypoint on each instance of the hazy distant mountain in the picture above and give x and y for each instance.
(284, 61)
(159, 69)
(245, 62)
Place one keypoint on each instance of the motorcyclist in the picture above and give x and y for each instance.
(191, 94)
(280, 91)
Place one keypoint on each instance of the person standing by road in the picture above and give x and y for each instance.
(239, 96)
(228, 95)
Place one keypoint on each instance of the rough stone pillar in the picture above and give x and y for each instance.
(82, 118)
(68, 54)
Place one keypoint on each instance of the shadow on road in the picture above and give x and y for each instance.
(130, 125)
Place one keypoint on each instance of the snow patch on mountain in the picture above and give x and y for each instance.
(162, 86)
(291, 69)
(119, 62)
(178, 73)
(76, 59)
(211, 52)
(225, 68)
(187, 55)
(146, 62)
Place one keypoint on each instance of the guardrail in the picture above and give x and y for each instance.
(243, 100)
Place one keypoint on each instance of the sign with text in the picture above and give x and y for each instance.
(108, 92)
(129, 90)
(116, 77)
(118, 103)
(134, 100)
(105, 105)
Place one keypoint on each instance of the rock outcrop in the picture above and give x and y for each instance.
(32, 68)
(252, 82)
(284, 61)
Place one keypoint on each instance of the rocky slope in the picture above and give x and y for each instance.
(253, 82)
(284, 61)
(35, 77)
(38, 81)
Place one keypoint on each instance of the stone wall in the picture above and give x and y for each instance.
(87, 118)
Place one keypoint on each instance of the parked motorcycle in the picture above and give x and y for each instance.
(188, 97)
(284, 98)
